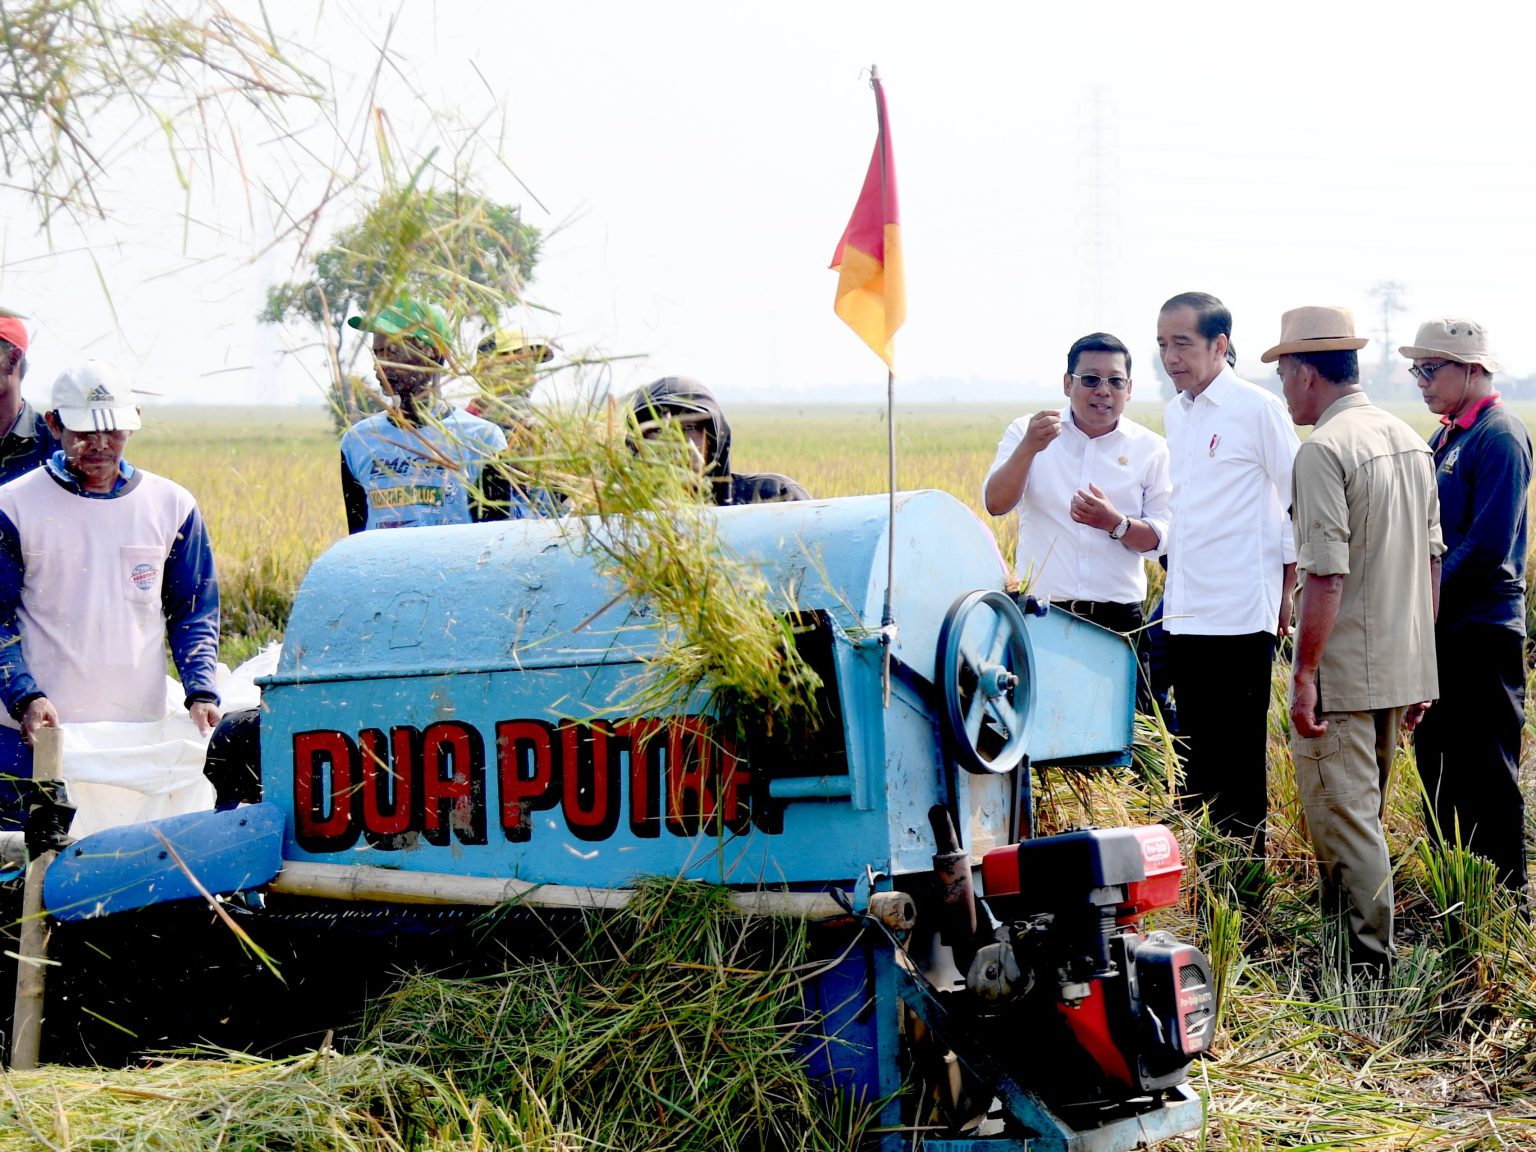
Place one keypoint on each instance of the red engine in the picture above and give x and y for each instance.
(1070, 948)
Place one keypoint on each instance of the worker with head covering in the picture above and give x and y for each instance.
(25, 441)
(423, 461)
(684, 402)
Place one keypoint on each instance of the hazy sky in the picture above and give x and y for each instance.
(1062, 168)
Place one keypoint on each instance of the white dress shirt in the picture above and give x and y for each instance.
(1232, 447)
(1062, 559)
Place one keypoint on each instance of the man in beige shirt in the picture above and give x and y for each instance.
(1367, 518)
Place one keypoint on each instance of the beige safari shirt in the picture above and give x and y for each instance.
(1365, 506)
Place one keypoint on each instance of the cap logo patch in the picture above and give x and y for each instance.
(100, 393)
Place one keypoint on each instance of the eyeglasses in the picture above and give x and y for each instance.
(1091, 383)
(1426, 372)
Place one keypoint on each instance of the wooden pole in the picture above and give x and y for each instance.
(32, 955)
(392, 886)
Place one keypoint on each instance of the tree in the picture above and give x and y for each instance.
(470, 254)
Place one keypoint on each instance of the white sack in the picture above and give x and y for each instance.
(120, 773)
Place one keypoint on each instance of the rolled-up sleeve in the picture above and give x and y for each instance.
(1320, 512)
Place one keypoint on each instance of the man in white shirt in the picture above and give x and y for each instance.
(1091, 490)
(1231, 564)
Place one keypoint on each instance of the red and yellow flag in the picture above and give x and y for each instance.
(871, 293)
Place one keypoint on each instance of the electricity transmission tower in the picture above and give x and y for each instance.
(1098, 211)
(1390, 293)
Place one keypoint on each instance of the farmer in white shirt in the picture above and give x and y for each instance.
(102, 566)
(1231, 564)
(1091, 490)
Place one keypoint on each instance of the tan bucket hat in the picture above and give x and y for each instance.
(1454, 338)
(1316, 328)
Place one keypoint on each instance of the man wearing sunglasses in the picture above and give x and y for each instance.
(1468, 745)
(27, 442)
(1091, 490)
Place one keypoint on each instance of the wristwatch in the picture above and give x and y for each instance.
(1121, 528)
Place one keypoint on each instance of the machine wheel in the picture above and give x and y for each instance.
(986, 676)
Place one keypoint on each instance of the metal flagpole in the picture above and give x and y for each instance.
(888, 614)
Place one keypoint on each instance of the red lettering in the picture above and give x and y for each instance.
(646, 747)
(396, 784)
(735, 783)
(589, 772)
(387, 782)
(452, 783)
(324, 769)
(525, 775)
(690, 795)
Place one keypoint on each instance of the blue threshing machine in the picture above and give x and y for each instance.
(440, 730)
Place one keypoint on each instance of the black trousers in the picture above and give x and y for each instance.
(1222, 688)
(1468, 745)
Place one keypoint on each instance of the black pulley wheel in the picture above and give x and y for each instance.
(986, 681)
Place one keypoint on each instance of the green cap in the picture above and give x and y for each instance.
(418, 320)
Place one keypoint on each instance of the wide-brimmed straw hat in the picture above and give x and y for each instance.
(1452, 338)
(1316, 328)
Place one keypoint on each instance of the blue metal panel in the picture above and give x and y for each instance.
(1085, 689)
(141, 864)
(467, 652)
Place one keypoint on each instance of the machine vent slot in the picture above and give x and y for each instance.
(803, 745)
(1190, 976)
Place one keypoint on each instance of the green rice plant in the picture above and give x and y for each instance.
(1484, 938)
(642, 511)
(675, 1024)
(1223, 945)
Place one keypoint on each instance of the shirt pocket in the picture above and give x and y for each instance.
(141, 574)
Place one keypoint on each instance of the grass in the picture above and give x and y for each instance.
(325, 1100)
(1439, 1057)
(668, 1027)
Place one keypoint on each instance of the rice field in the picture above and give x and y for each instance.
(1440, 1058)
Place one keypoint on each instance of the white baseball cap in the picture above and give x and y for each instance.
(96, 397)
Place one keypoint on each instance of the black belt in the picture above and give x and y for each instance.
(1106, 613)
(1084, 607)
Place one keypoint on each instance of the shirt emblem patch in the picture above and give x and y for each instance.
(1450, 461)
(402, 497)
(143, 576)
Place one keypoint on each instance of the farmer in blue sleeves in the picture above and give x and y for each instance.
(101, 564)
(423, 461)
